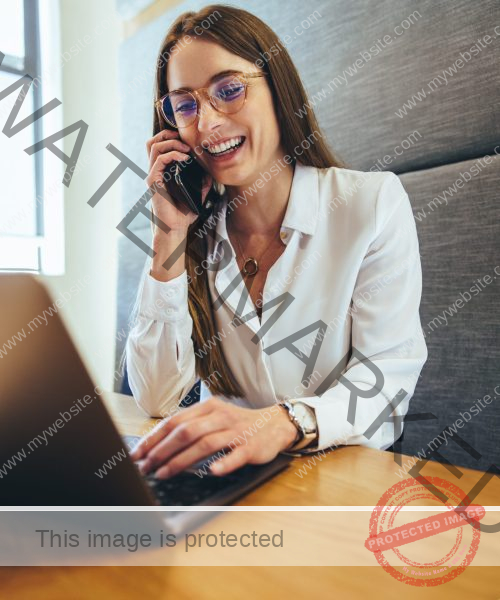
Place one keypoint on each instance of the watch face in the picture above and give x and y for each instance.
(305, 414)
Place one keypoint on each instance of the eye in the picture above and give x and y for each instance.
(230, 91)
(186, 106)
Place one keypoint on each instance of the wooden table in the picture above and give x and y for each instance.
(349, 476)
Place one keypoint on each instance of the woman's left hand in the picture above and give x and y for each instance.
(254, 436)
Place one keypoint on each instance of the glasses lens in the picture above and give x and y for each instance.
(228, 94)
(180, 108)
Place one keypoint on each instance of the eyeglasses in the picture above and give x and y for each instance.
(227, 95)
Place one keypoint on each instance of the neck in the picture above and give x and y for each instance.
(264, 212)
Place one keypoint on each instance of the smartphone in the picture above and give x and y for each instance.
(183, 180)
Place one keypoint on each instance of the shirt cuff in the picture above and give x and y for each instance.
(334, 428)
(165, 300)
(331, 416)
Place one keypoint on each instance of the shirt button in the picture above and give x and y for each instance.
(283, 235)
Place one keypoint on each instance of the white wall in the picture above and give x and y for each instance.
(90, 92)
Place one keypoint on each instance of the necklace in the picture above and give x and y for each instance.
(251, 264)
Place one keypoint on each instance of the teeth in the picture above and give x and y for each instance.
(218, 148)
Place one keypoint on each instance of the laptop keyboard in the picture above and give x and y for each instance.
(187, 489)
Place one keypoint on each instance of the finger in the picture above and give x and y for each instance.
(230, 462)
(164, 134)
(210, 444)
(164, 159)
(161, 163)
(165, 426)
(200, 409)
(165, 146)
(182, 437)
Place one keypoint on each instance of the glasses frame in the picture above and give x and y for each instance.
(197, 93)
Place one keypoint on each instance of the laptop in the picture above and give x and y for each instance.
(56, 433)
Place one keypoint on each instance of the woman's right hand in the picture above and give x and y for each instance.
(164, 148)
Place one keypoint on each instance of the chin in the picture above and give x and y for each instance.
(236, 178)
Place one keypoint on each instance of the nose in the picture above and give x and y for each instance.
(208, 118)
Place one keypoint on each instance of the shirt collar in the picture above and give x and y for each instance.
(303, 204)
(302, 210)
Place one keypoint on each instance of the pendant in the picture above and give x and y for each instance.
(254, 267)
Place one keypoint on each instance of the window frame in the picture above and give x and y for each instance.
(42, 61)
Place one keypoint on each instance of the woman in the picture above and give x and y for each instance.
(301, 292)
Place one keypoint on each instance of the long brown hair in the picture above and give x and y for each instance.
(245, 35)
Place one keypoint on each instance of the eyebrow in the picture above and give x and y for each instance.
(218, 75)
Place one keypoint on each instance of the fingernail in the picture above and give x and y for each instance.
(163, 473)
(145, 467)
(216, 467)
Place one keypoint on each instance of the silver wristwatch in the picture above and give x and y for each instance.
(304, 419)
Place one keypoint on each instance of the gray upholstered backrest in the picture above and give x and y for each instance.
(459, 237)
(412, 87)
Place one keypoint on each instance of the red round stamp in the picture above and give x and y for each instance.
(459, 526)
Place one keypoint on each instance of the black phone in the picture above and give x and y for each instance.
(184, 180)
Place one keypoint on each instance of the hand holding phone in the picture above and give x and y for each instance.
(166, 150)
(190, 185)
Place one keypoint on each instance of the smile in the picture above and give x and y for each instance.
(228, 147)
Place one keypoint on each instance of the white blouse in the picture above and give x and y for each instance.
(349, 277)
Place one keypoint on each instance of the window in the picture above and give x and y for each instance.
(31, 188)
